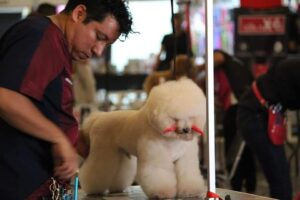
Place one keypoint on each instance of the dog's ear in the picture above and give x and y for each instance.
(158, 120)
(152, 116)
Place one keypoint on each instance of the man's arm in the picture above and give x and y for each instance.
(18, 110)
(157, 58)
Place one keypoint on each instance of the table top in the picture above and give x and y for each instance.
(136, 193)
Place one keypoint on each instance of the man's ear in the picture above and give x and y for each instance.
(79, 13)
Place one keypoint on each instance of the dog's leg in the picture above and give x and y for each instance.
(125, 174)
(99, 169)
(190, 182)
(156, 170)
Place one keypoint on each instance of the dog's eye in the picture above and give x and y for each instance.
(193, 118)
(176, 120)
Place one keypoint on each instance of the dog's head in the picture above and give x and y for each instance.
(177, 109)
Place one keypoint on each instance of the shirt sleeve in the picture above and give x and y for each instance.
(27, 62)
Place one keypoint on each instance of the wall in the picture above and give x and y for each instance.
(29, 3)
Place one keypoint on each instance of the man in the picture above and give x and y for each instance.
(167, 45)
(278, 89)
(38, 129)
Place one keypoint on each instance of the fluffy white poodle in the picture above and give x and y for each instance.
(158, 143)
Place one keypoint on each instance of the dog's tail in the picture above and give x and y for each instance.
(83, 144)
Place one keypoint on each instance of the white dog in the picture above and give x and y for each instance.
(159, 142)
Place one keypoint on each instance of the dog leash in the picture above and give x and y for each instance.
(61, 192)
(75, 189)
(258, 95)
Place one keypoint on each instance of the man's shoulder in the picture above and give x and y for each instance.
(30, 25)
(168, 36)
(27, 31)
(35, 23)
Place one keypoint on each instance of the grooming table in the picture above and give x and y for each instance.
(136, 193)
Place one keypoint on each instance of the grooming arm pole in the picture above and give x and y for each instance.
(210, 97)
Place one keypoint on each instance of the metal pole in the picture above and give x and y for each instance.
(174, 39)
(210, 95)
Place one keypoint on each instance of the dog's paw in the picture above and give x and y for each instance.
(189, 194)
(191, 191)
(201, 196)
(163, 193)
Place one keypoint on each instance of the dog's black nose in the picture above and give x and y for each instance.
(186, 130)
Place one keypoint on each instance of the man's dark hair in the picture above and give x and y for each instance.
(98, 10)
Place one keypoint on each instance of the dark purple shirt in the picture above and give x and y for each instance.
(34, 61)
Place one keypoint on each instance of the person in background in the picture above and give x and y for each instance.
(167, 45)
(232, 78)
(278, 88)
(38, 129)
(184, 67)
(44, 9)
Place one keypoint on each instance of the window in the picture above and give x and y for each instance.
(152, 19)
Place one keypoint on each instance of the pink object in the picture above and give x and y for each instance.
(170, 129)
(173, 128)
(213, 195)
(297, 196)
(197, 129)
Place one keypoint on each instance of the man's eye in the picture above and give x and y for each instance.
(99, 37)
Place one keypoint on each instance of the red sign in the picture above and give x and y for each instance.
(260, 3)
(261, 24)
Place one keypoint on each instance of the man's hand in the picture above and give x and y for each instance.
(19, 111)
(65, 160)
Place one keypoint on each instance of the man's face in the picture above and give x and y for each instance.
(93, 38)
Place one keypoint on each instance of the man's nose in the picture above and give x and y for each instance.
(99, 48)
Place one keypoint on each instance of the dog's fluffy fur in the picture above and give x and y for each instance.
(123, 143)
